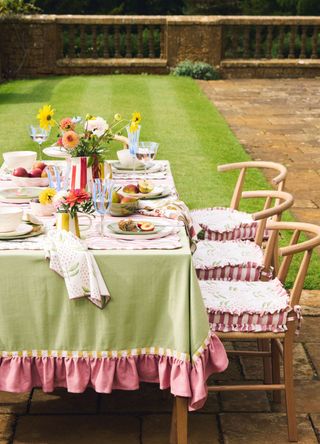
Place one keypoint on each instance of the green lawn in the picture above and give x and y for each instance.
(192, 134)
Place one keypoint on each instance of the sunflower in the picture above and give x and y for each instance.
(136, 118)
(45, 197)
(45, 117)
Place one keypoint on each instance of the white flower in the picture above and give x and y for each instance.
(98, 126)
(59, 198)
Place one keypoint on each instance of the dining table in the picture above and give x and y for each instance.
(154, 328)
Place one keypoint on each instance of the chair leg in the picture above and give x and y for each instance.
(182, 420)
(288, 382)
(263, 345)
(173, 431)
(275, 371)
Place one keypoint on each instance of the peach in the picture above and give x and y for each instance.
(40, 165)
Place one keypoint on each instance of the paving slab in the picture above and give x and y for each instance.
(63, 402)
(259, 428)
(203, 429)
(6, 426)
(313, 350)
(80, 429)
(14, 402)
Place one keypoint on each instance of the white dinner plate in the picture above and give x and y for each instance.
(19, 195)
(139, 168)
(22, 230)
(55, 151)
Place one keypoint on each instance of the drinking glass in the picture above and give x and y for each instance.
(39, 135)
(146, 152)
(102, 197)
(133, 137)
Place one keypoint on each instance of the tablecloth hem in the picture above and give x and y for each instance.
(22, 374)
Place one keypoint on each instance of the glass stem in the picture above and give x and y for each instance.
(101, 225)
(40, 152)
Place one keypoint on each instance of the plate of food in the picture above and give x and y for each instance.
(132, 227)
(19, 195)
(144, 189)
(128, 229)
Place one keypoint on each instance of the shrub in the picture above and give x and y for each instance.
(196, 70)
(18, 7)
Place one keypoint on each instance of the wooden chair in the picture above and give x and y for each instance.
(239, 225)
(242, 259)
(281, 341)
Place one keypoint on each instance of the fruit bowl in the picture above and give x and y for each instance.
(30, 181)
(123, 209)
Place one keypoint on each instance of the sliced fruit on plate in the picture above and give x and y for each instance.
(145, 186)
(146, 226)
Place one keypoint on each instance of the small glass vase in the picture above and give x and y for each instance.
(133, 137)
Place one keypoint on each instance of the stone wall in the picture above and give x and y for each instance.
(237, 46)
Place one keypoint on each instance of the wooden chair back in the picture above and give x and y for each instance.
(276, 202)
(278, 180)
(289, 251)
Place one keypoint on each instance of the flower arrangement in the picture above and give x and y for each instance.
(91, 138)
(73, 202)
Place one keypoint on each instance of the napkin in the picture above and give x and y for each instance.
(70, 258)
(172, 209)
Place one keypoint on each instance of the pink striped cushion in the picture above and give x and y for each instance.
(246, 306)
(221, 224)
(230, 260)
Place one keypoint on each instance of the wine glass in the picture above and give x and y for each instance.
(145, 152)
(102, 196)
(39, 135)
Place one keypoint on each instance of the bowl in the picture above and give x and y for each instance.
(37, 209)
(10, 218)
(15, 159)
(30, 181)
(123, 209)
(126, 159)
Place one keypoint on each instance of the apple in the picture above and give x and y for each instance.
(145, 186)
(36, 172)
(20, 172)
(40, 165)
(44, 173)
(131, 189)
(128, 199)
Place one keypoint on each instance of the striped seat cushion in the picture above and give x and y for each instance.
(246, 306)
(230, 260)
(225, 224)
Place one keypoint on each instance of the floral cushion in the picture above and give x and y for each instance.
(225, 224)
(246, 306)
(230, 260)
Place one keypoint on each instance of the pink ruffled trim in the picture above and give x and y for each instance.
(21, 374)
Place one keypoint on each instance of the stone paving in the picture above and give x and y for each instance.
(277, 120)
(273, 119)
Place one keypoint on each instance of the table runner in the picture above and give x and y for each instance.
(154, 329)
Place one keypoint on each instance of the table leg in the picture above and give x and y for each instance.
(182, 420)
(173, 431)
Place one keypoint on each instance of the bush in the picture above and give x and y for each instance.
(196, 70)
(18, 7)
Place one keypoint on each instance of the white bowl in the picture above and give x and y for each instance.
(10, 218)
(16, 159)
(126, 160)
(37, 209)
(30, 181)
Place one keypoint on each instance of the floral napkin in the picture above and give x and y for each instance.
(70, 258)
(172, 209)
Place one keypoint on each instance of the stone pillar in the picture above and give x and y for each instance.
(193, 38)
